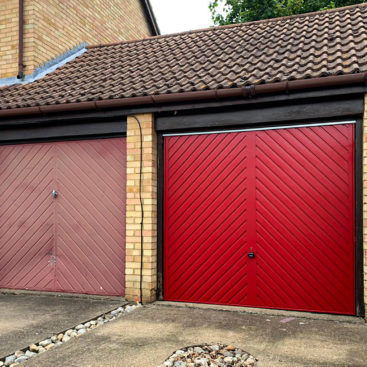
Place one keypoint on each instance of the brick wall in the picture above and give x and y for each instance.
(365, 202)
(8, 38)
(53, 26)
(133, 209)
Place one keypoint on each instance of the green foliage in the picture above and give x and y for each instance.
(239, 11)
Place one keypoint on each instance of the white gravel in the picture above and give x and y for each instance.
(216, 355)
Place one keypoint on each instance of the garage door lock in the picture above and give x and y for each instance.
(251, 254)
(54, 194)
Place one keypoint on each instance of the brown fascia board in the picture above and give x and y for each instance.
(218, 94)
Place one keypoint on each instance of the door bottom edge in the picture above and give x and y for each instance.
(351, 318)
(15, 291)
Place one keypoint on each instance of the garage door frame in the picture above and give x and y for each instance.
(176, 125)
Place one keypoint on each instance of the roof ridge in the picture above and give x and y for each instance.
(208, 29)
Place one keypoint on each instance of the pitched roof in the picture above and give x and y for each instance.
(313, 45)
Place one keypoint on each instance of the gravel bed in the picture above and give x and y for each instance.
(33, 350)
(217, 355)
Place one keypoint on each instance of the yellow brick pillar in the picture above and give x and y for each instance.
(365, 202)
(133, 208)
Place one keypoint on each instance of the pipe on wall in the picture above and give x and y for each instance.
(21, 41)
(250, 91)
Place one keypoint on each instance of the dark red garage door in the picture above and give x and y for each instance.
(76, 241)
(261, 218)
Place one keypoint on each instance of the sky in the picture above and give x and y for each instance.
(181, 15)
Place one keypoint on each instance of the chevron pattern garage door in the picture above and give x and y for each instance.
(286, 196)
(76, 241)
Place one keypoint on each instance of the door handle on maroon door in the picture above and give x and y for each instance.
(54, 194)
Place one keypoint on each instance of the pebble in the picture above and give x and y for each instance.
(68, 332)
(1, 363)
(65, 338)
(216, 355)
(14, 364)
(29, 354)
(60, 336)
(54, 338)
(9, 360)
(87, 325)
(230, 347)
(81, 331)
(198, 350)
(41, 349)
(33, 348)
(21, 359)
(80, 326)
(203, 362)
(49, 346)
(43, 343)
(129, 308)
(250, 361)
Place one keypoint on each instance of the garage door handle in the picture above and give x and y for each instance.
(251, 255)
(54, 193)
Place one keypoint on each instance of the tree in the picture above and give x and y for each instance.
(239, 11)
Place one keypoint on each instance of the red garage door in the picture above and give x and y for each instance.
(261, 218)
(74, 242)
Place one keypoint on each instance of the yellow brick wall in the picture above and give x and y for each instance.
(53, 26)
(365, 202)
(133, 210)
(8, 38)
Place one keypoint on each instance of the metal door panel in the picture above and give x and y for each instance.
(90, 207)
(286, 194)
(26, 217)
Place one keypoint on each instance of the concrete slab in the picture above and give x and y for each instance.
(26, 318)
(149, 335)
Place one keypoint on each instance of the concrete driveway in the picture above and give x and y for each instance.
(147, 336)
(26, 318)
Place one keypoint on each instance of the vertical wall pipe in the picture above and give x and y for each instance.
(20, 43)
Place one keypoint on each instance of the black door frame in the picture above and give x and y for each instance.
(171, 127)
